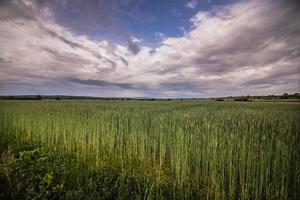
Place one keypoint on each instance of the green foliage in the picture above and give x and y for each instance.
(36, 174)
(150, 150)
(108, 183)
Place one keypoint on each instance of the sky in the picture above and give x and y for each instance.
(149, 48)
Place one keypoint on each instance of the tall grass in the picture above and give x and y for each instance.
(213, 150)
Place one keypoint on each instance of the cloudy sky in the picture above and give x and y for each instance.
(149, 48)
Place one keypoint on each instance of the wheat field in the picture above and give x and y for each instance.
(180, 149)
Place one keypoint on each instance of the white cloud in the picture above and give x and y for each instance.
(245, 48)
(191, 4)
(160, 35)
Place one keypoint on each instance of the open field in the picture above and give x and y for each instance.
(278, 100)
(149, 150)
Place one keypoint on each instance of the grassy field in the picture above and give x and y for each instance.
(149, 150)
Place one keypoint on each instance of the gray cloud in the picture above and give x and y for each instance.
(16, 9)
(124, 61)
(66, 57)
(269, 81)
(102, 83)
(63, 39)
(133, 47)
(182, 86)
(86, 16)
(81, 17)
(96, 15)
(80, 46)
(261, 41)
(282, 75)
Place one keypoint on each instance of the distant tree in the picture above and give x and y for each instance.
(38, 97)
(285, 96)
(241, 99)
(219, 99)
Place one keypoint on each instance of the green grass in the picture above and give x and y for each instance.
(181, 149)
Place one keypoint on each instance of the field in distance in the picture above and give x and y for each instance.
(94, 149)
